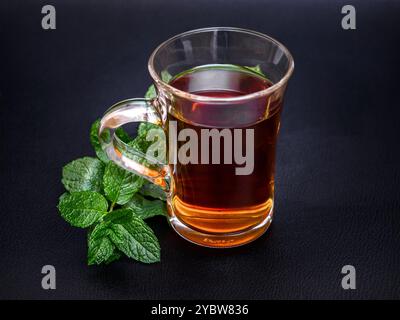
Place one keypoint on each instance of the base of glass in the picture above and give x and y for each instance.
(227, 240)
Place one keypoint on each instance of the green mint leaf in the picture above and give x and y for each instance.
(119, 215)
(63, 196)
(166, 76)
(144, 208)
(144, 128)
(140, 144)
(151, 92)
(83, 174)
(256, 69)
(123, 135)
(151, 190)
(135, 239)
(119, 184)
(82, 209)
(115, 256)
(100, 247)
(94, 139)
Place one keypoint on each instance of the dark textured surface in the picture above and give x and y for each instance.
(338, 172)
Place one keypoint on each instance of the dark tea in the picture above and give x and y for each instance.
(213, 198)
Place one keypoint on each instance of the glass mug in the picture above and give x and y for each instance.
(222, 98)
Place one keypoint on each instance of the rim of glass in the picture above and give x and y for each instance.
(191, 96)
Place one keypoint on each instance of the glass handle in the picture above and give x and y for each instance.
(124, 154)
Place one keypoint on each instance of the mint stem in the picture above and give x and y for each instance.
(111, 207)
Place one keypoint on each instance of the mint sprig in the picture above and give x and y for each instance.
(112, 203)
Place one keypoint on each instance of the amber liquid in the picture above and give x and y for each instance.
(212, 198)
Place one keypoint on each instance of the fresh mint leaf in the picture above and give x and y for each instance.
(119, 184)
(140, 144)
(120, 215)
(145, 127)
(151, 92)
(123, 135)
(151, 190)
(82, 209)
(63, 196)
(83, 174)
(166, 76)
(135, 239)
(94, 139)
(144, 208)
(115, 256)
(100, 247)
(256, 69)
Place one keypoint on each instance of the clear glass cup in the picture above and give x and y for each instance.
(210, 204)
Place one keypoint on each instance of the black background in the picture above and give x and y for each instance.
(338, 172)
